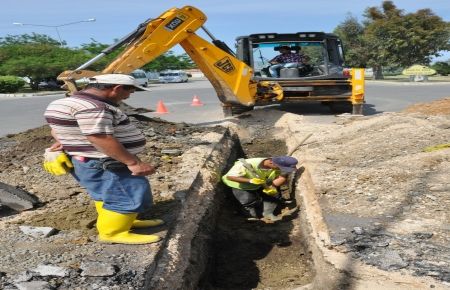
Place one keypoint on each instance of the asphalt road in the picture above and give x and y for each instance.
(22, 113)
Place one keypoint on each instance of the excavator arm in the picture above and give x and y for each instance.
(230, 77)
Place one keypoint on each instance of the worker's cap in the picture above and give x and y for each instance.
(116, 79)
(285, 163)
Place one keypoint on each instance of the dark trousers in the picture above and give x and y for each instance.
(253, 200)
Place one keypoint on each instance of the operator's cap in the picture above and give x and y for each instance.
(116, 79)
(285, 163)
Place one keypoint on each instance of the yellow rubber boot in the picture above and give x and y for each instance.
(136, 223)
(114, 227)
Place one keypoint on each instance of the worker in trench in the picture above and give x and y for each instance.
(98, 144)
(255, 182)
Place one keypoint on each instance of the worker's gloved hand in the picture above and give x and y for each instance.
(270, 191)
(257, 181)
(57, 162)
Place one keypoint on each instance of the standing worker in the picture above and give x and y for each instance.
(257, 180)
(101, 142)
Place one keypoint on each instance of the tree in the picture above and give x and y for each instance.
(37, 57)
(351, 32)
(93, 49)
(396, 38)
(442, 68)
(166, 61)
(170, 61)
(27, 38)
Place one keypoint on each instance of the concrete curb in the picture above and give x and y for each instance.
(399, 83)
(183, 259)
(336, 270)
(36, 94)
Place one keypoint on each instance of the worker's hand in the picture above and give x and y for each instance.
(56, 147)
(257, 181)
(270, 191)
(141, 169)
(56, 162)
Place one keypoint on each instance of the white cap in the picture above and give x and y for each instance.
(116, 79)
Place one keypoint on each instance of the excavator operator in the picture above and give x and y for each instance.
(285, 59)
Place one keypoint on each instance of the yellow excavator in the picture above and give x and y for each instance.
(241, 80)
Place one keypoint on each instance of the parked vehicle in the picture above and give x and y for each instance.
(50, 84)
(173, 77)
(140, 76)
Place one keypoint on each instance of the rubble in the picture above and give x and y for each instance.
(385, 199)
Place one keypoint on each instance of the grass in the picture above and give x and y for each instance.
(27, 90)
(403, 78)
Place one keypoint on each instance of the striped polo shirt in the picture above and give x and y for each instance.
(83, 114)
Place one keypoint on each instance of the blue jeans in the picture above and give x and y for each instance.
(119, 190)
(273, 69)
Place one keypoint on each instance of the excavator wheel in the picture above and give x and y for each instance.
(233, 110)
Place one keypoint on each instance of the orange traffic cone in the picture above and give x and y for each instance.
(196, 102)
(161, 109)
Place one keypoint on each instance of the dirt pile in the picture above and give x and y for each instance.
(384, 195)
(438, 107)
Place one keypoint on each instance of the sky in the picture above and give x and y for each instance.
(226, 19)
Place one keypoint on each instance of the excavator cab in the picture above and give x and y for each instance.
(322, 51)
(321, 77)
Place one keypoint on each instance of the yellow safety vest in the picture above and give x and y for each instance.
(266, 174)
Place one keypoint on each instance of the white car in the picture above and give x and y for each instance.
(173, 77)
(140, 77)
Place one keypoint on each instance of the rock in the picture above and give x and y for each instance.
(33, 285)
(372, 198)
(358, 230)
(23, 277)
(49, 270)
(387, 260)
(175, 152)
(423, 236)
(97, 269)
(38, 232)
(439, 187)
(337, 242)
(383, 244)
(16, 198)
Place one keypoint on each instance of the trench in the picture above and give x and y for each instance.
(214, 247)
(209, 244)
(255, 254)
